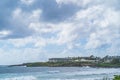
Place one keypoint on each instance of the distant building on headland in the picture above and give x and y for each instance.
(93, 59)
(108, 59)
(75, 59)
(60, 59)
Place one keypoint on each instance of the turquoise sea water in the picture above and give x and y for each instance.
(56, 73)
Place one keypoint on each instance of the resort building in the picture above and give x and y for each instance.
(108, 59)
(60, 59)
(75, 59)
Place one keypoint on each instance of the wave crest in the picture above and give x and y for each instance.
(21, 78)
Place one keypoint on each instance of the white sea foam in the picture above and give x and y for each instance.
(95, 72)
(58, 74)
(95, 78)
(64, 79)
(80, 79)
(56, 71)
(21, 78)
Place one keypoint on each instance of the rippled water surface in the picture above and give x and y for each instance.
(57, 73)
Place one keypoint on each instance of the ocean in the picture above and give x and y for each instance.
(57, 73)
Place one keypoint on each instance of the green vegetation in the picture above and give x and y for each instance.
(69, 64)
(91, 61)
(115, 61)
(117, 77)
(57, 64)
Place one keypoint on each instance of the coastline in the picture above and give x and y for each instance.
(68, 64)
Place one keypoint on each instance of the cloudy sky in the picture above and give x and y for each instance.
(35, 30)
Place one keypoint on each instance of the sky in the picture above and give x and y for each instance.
(35, 30)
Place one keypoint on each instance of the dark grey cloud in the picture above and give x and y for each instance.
(6, 7)
(51, 12)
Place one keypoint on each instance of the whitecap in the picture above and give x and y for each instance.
(53, 71)
(21, 78)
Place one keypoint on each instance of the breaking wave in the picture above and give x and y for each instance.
(21, 78)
